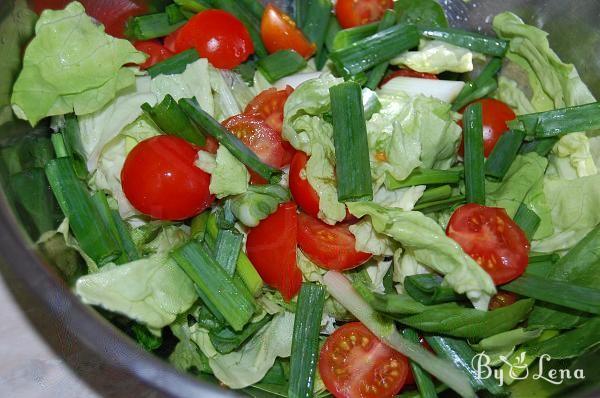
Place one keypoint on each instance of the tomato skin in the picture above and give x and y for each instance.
(279, 32)
(491, 238)
(354, 363)
(271, 247)
(155, 51)
(113, 14)
(495, 115)
(217, 35)
(351, 13)
(502, 299)
(408, 73)
(329, 246)
(302, 192)
(160, 179)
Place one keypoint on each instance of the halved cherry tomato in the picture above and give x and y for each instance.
(502, 299)
(408, 73)
(271, 247)
(279, 32)
(160, 179)
(302, 192)
(217, 35)
(329, 246)
(351, 13)
(491, 238)
(156, 52)
(268, 105)
(495, 114)
(354, 363)
(113, 14)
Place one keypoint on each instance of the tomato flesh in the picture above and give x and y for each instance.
(271, 247)
(279, 32)
(156, 52)
(407, 73)
(217, 35)
(268, 105)
(302, 192)
(491, 238)
(159, 179)
(495, 115)
(329, 246)
(351, 13)
(354, 363)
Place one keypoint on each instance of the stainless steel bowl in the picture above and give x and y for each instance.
(103, 356)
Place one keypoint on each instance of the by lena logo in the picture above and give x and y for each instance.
(518, 369)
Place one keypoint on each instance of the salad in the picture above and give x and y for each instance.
(353, 200)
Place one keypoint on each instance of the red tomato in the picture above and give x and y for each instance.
(271, 247)
(155, 51)
(495, 115)
(351, 13)
(354, 363)
(502, 299)
(302, 192)
(279, 32)
(211, 145)
(217, 35)
(159, 179)
(268, 105)
(491, 238)
(408, 73)
(329, 246)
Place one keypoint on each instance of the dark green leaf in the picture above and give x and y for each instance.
(569, 344)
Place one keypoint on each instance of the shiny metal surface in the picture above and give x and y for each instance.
(101, 354)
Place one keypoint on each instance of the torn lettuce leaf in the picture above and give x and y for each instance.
(435, 56)
(377, 269)
(370, 241)
(571, 158)
(257, 203)
(403, 198)
(71, 65)
(431, 247)
(405, 264)
(509, 92)
(229, 177)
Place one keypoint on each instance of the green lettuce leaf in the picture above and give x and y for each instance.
(229, 176)
(431, 247)
(435, 56)
(405, 264)
(186, 355)
(509, 92)
(71, 65)
(571, 157)
(152, 291)
(553, 83)
(368, 240)
(257, 203)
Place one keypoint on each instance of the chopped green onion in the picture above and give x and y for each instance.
(483, 84)
(353, 169)
(541, 146)
(172, 120)
(561, 293)
(376, 75)
(198, 226)
(174, 14)
(373, 50)
(300, 11)
(504, 153)
(527, 220)
(315, 24)
(72, 140)
(474, 160)
(305, 340)
(151, 26)
(347, 37)
(435, 194)
(371, 103)
(427, 289)
(333, 28)
(424, 383)
(281, 64)
(560, 121)
(174, 65)
(248, 18)
(213, 128)
(425, 177)
(93, 236)
(469, 40)
(255, 7)
(543, 257)
(226, 340)
(431, 207)
(193, 5)
(460, 353)
(227, 249)
(227, 296)
(59, 145)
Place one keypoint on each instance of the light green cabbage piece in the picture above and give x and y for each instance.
(411, 132)
(435, 56)
(523, 183)
(509, 92)
(251, 362)
(431, 247)
(310, 271)
(405, 264)
(368, 240)
(225, 102)
(403, 198)
(71, 65)
(571, 157)
(377, 269)
(257, 203)
(229, 176)
(152, 291)
(553, 83)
